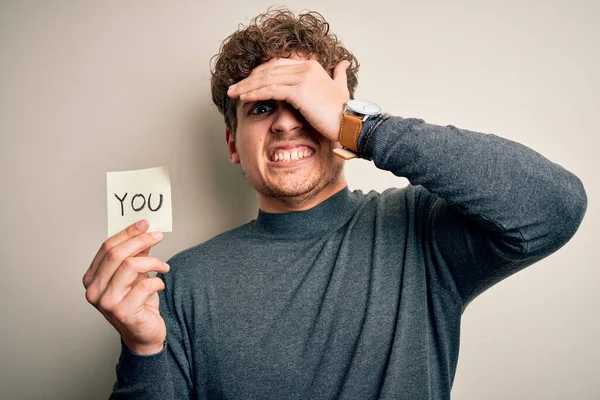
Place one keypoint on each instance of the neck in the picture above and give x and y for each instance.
(300, 203)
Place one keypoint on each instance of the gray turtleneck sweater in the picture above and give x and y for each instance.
(361, 296)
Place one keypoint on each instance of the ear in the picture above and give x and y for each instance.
(234, 157)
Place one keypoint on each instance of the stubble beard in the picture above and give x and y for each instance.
(295, 191)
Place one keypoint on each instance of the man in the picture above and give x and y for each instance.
(329, 293)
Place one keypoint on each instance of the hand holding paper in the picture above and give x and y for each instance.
(117, 281)
(118, 285)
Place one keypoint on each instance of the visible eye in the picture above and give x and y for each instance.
(261, 108)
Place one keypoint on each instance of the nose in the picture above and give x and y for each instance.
(287, 119)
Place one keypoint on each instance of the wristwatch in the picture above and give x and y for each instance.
(355, 113)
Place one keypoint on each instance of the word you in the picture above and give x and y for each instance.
(141, 203)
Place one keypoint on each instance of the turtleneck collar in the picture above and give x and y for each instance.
(325, 216)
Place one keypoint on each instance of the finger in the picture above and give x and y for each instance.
(141, 277)
(282, 75)
(249, 85)
(278, 61)
(129, 273)
(132, 230)
(139, 294)
(113, 259)
(271, 92)
(115, 256)
(278, 68)
(153, 301)
(144, 253)
(339, 74)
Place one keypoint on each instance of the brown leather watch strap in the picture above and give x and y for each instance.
(344, 153)
(349, 131)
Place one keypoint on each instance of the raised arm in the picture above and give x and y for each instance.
(495, 206)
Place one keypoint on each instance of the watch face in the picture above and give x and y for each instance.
(364, 107)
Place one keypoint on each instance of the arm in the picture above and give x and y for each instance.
(492, 206)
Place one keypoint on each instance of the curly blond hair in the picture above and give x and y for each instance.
(275, 33)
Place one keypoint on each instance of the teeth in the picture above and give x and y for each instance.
(294, 155)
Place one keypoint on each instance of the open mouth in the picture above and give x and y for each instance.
(291, 155)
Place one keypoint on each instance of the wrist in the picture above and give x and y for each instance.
(369, 126)
(358, 117)
(144, 349)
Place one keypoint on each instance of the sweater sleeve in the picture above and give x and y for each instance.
(165, 375)
(491, 206)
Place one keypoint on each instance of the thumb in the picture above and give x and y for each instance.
(339, 74)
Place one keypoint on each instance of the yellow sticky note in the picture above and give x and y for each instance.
(137, 194)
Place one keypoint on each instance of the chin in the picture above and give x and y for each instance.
(297, 186)
(293, 187)
(299, 189)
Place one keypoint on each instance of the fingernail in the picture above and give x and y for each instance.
(231, 88)
(167, 265)
(142, 224)
(157, 235)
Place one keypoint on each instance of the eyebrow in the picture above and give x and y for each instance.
(245, 106)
